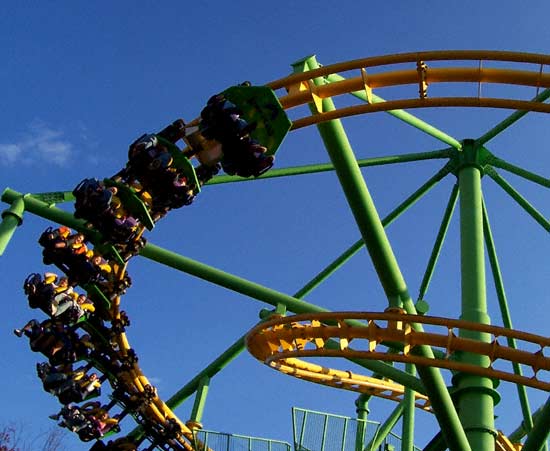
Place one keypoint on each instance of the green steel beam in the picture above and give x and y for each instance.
(326, 167)
(524, 203)
(384, 261)
(392, 216)
(362, 410)
(536, 438)
(521, 431)
(403, 115)
(48, 211)
(442, 232)
(407, 434)
(215, 276)
(505, 313)
(385, 428)
(514, 117)
(437, 443)
(200, 399)
(528, 175)
(474, 394)
(11, 219)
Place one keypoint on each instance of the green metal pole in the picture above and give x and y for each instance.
(514, 117)
(528, 175)
(474, 394)
(386, 428)
(451, 204)
(407, 435)
(437, 443)
(522, 430)
(384, 261)
(536, 439)
(362, 409)
(359, 199)
(11, 219)
(505, 313)
(524, 203)
(326, 167)
(200, 400)
(48, 211)
(404, 116)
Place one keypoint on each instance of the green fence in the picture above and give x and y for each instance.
(219, 441)
(318, 431)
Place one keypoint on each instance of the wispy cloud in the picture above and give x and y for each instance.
(40, 144)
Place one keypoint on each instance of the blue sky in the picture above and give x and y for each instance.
(80, 81)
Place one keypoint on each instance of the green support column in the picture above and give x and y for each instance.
(200, 401)
(474, 394)
(536, 439)
(383, 258)
(362, 409)
(407, 436)
(11, 219)
(386, 428)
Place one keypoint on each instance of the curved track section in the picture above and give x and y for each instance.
(280, 342)
(413, 70)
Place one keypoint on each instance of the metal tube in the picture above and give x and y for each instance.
(528, 175)
(514, 117)
(381, 253)
(438, 242)
(407, 435)
(474, 393)
(386, 427)
(11, 219)
(326, 167)
(505, 313)
(404, 116)
(200, 399)
(524, 203)
(538, 435)
(362, 409)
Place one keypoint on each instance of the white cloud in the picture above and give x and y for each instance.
(40, 144)
(10, 153)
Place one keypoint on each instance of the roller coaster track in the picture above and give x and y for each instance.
(302, 88)
(282, 342)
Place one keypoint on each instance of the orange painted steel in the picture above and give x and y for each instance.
(279, 342)
(136, 383)
(300, 89)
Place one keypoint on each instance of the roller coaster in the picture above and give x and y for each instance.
(239, 132)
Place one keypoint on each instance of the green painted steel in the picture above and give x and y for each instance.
(524, 203)
(316, 168)
(474, 394)
(536, 438)
(384, 261)
(359, 199)
(385, 428)
(522, 430)
(528, 175)
(404, 116)
(392, 216)
(514, 117)
(362, 409)
(442, 232)
(48, 211)
(11, 219)
(437, 443)
(200, 399)
(407, 435)
(505, 313)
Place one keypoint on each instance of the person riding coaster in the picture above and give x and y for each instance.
(221, 121)
(101, 207)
